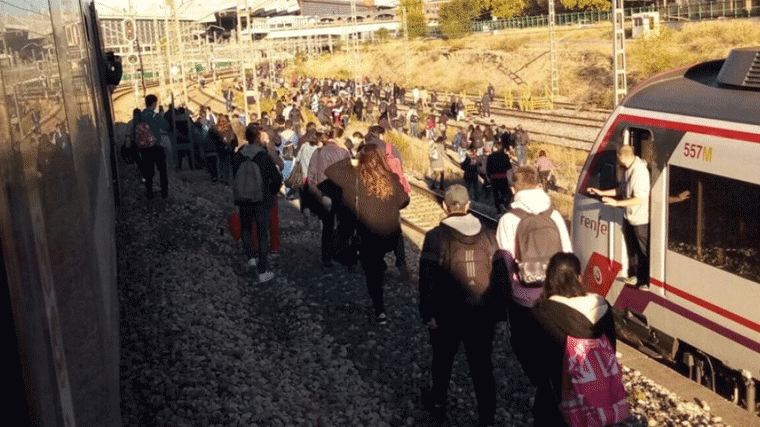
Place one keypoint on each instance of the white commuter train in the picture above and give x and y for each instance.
(698, 128)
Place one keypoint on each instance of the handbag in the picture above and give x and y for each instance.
(295, 179)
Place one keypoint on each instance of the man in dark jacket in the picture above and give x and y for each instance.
(497, 167)
(156, 154)
(459, 303)
(257, 212)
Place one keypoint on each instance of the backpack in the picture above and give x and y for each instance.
(248, 185)
(144, 138)
(593, 394)
(537, 239)
(395, 165)
(469, 264)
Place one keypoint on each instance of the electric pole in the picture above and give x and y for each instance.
(618, 50)
(180, 46)
(406, 43)
(553, 50)
(355, 44)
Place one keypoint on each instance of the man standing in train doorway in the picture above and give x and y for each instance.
(634, 193)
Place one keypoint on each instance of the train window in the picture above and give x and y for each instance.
(710, 226)
(603, 174)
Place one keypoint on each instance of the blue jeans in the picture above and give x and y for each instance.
(520, 153)
(413, 130)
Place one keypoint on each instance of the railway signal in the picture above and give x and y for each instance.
(129, 30)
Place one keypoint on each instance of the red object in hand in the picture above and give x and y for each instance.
(233, 222)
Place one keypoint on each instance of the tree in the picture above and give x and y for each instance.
(587, 4)
(505, 9)
(415, 17)
(455, 17)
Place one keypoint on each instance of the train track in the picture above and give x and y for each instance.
(425, 210)
(552, 117)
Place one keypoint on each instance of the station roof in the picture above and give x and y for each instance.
(205, 11)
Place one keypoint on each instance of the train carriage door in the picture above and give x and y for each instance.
(598, 228)
(643, 142)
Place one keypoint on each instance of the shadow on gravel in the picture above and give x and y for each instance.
(202, 345)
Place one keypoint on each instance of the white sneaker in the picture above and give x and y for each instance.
(266, 276)
(253, 262)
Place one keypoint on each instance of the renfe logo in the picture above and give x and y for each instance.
(595, 225)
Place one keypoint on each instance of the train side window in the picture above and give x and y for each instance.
(718, 224)
(603, 174)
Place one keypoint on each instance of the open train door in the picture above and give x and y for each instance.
(597, 228)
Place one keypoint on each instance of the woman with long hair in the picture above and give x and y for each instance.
(565, 309)
(375, 195)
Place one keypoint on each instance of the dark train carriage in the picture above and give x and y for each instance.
(57, 217)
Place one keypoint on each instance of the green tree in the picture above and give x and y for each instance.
(504, 9)
(587, 4)
(415, 17)
(455, 17)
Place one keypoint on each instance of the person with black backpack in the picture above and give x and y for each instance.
(257, 181)
(528, 235)
(460, 303)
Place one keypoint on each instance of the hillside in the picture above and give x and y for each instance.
(584, 55)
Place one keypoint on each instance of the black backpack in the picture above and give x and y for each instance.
(248, 185)
(469, 264)
(537, 239)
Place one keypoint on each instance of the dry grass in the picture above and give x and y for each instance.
(585, 58)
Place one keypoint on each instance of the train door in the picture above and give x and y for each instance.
(598, 228)
(597, 232)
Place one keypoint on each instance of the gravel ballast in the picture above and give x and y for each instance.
(203, 345)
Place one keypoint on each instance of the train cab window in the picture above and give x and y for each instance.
(718, 224)
(608, 173)
(642, 142)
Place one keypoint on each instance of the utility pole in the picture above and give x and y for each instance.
(169, 55)
(181, 46)
(618, 50)
(128, 37)
(243, 49)
(553, 50)
(355, 44)
(406, 44)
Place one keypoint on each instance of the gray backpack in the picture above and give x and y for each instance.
(248, 185)
(537, 239)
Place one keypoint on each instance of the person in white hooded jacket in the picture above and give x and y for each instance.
(531, 198)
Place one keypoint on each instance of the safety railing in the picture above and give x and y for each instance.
(670, 12)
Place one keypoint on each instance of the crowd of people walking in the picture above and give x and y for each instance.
(470, 278)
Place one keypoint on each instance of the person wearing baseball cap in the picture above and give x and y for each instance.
(458, 302)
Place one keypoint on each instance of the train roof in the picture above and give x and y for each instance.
(702, 90)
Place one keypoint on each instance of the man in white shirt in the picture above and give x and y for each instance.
(633, 195)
